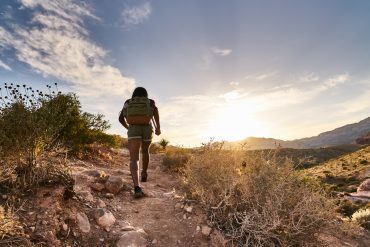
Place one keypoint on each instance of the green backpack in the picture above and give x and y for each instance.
(139, 111)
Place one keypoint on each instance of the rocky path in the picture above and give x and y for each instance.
(112, 217)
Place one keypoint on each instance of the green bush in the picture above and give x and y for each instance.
(33, 123)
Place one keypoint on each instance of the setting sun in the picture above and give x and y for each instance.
(236, 121)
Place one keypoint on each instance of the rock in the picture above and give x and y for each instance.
(83, 222)
(178, 205)
(104, 218)
(97, 186)
(100, 203)
(109, 195)
(198, 228)
(86, 195)
(125, 226)
(364, 186)
(65, 227)
(154, 241)
(206, 230)
(133, 239)
(184, 217)
(114, 184)
(188, 209)
(32, 228)
(92, 173)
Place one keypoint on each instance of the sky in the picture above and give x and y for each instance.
(216, 69)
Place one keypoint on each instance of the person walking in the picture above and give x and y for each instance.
(137, 116)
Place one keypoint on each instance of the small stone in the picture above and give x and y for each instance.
(100, 203)
(4, 197)
(109, 195)
(184, 217)
(198, 228)
(65, 227)
(32, 228)
(83, 222)
(104, 218)
(179, 241)
(114, 184)
(133, 238)
(154, 241)
(189, 218)
(188, 209)
(86, 195)
(206, 230)
(178, 205)
(44, 222)
(101, 239)
(97, 186)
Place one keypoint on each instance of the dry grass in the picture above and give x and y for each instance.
(175, 158)
(256, 201)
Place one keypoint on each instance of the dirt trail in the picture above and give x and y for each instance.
(161, 214)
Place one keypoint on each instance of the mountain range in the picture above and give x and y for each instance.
(346, 134)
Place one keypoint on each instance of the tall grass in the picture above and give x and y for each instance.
(257, 201)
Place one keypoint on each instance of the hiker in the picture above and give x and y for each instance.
(136, 116)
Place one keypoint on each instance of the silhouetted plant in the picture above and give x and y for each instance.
(163, 143)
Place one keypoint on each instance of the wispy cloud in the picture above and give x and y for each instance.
(234, 83)
(5, 66)
(240, 105)
(221, 52)
(57, 44)
(137, 14)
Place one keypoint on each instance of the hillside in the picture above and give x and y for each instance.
(343, 135)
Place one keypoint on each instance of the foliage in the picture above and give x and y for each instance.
(175, 158)
(33, 123)
(163, 143)
(255, 200)
(362, 217)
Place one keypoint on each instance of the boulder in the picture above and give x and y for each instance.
(104, 218)
(114, 184)
(133, 239)
(97, 186)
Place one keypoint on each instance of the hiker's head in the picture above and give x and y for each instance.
(140, 92)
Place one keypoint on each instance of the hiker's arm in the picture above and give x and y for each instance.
(156, 119)
(122, 120)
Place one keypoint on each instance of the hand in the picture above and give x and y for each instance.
(157, 131)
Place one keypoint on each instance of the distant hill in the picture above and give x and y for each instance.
(340, 136)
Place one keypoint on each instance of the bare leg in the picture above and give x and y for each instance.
(134, 147)
(145, 156)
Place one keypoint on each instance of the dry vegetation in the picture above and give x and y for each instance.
(258, 200)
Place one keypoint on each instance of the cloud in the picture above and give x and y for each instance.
(136, 15)
(221, 52)
(336, 80)
(234, 83)
(57, 44)
(240, 106)
(5, 66)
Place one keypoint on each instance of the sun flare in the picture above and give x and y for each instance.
(234, 122)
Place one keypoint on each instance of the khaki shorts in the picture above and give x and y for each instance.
(144, 132)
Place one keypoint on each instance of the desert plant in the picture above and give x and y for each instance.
(163, 143)
(257, 201)
(175, 158)
(33, 123)
(362, 217)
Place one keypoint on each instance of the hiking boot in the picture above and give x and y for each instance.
(144, 177)
(138, 192)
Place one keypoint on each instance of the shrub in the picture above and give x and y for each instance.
(154, 148)
(256, 201)
(33, 123)
(176, 158)
(163, 143)
(362, 217)
(11, 230)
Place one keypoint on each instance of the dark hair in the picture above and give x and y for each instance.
(140, 92)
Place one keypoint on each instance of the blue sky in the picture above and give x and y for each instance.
(223, 69)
